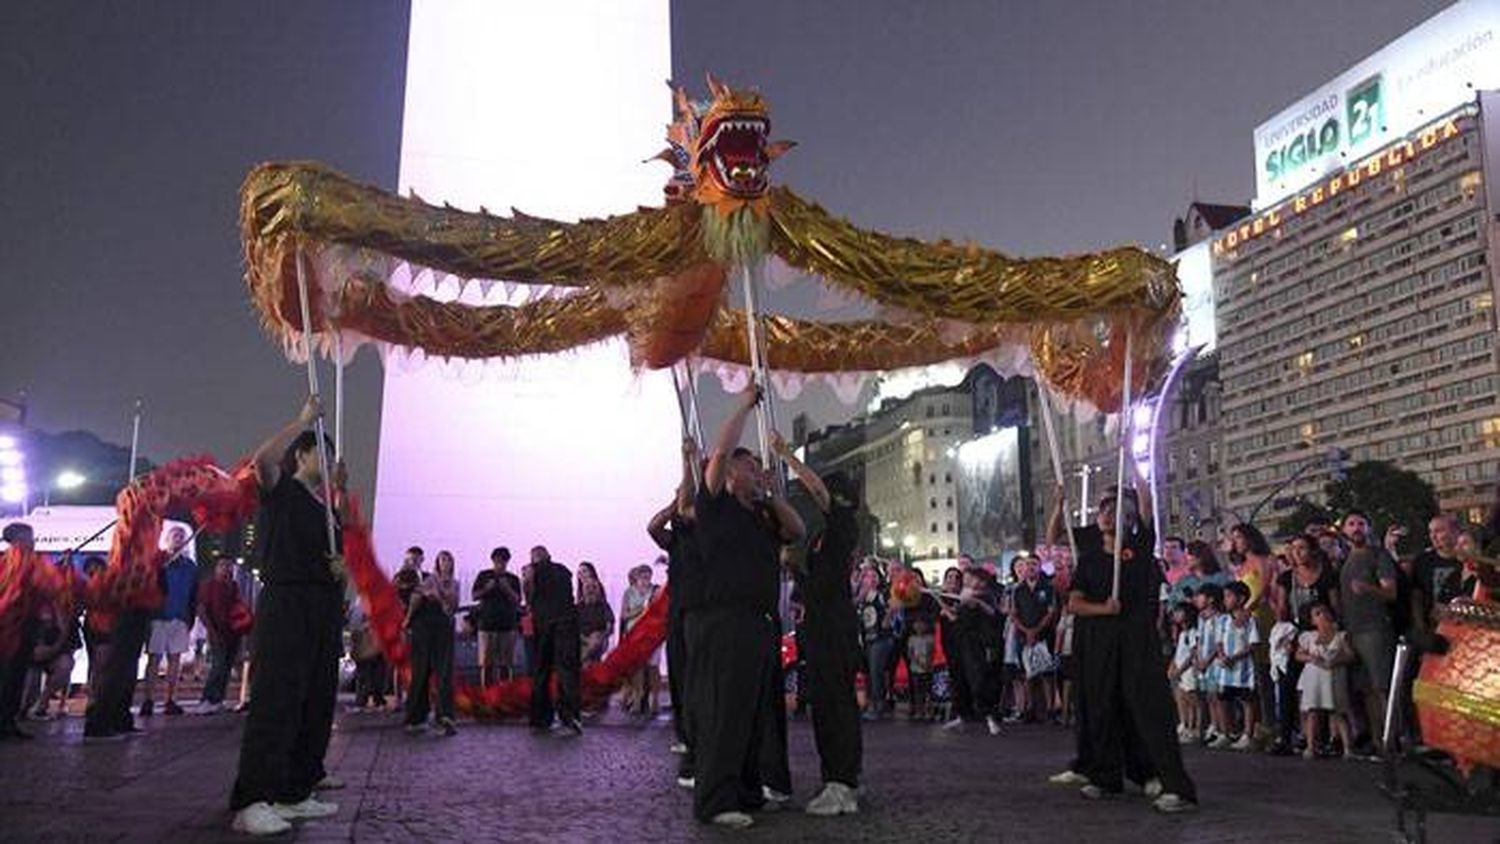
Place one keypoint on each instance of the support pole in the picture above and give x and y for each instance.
(312, 390)
(135, 442)
(1049, 425)
(765, 412)
(338, 395)
(1125, 420)
(688, 413)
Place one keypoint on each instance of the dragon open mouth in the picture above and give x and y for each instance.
(736, 147)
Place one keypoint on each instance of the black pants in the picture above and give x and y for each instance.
(371, 678)
(775, 768)
(677, 672)
(1128, 708)
(959, 691)
(1287, 713)
(981, 665)
(294, 687)
(556, 649)
(222, 657)
(731, 668)
(109, 704)
(431, 664)
(831, 657)
(14, 672)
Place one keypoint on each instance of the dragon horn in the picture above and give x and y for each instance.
(717, 88)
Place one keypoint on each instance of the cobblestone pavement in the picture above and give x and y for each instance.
(504, 783)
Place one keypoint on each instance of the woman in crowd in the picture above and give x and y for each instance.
(595, 619)
(1203, 568)
(639, 695)
(962, 700)
(1310, 582)
(430, 620)
(1257, 570)
(875, 637)
(980, 640)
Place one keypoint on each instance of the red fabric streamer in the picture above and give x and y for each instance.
(216, 500)
(381, 602)
(513, 697)
(19, 593)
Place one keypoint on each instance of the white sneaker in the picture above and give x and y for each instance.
(1068, 778)
(774, 799)
(1187, 737)
(994, 725)
(835, 799)
(955, 724)
(733, 820)
(679, 748)
(1172, 804)
(309, 808)
(1243, 744)
(206, 708)
(329, 783)
(1221, 743)
(259, 819)
(1152, 788)
(687, 782)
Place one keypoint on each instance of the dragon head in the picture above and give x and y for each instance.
(720, 149)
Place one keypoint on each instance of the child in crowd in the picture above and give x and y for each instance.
(1325, 653)
(1239, 636)
(921, 643)
(1183, 673)
(1283, 643)
(1209, 599)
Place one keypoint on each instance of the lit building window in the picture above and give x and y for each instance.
(1349, 235)
(1357, 341)
(1305, 361)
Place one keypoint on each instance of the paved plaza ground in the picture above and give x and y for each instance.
(501, 782)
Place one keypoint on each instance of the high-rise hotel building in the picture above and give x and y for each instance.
(1355, 307)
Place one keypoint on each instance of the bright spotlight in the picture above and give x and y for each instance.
(69, 479)
(12, 493)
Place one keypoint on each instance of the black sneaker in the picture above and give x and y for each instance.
(572, 725)
(171, 708)
(448, 727)
(147, 709)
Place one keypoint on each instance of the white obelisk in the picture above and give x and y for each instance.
(549, 107)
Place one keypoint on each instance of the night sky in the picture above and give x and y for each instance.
(1032, 127)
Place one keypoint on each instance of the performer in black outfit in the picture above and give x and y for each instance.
(549, 589)
(828, 639)
(672, 530)
(740, 527)
(299, 617)
(1127, 720)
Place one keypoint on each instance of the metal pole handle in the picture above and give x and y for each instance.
(1125, 420)
(1049, 425)
(312, 389)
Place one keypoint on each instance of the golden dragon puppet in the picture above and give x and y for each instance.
(658, 275)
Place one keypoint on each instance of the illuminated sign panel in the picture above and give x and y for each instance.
(1383, 161)
(1196, 272)
(1429, 71)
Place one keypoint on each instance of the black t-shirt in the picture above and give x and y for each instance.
(595, 617)
(1032, 603)
(295, 536)
(1301, 597)
(1439, 579)
(1140, 577)
(497, 612)
(830, 562)
(552, 593)
(684, 568)
(926, 611)
(406, 582)
(739, 550)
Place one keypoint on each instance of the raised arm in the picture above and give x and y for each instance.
(729, 439)
(688, 486)
(1055, 518)
(1145, 507)
(657, 527)
(788, 522)
(267, 456)
(809, 478)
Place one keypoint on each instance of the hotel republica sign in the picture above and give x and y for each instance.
(1425, 73)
